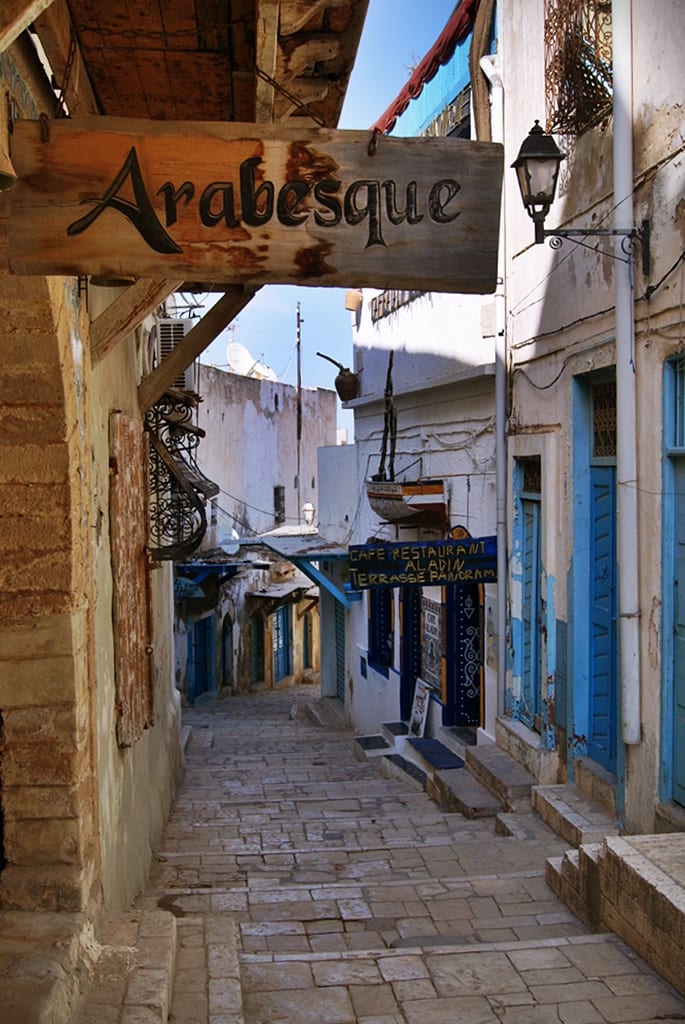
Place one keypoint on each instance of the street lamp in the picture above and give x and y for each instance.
(537, 170)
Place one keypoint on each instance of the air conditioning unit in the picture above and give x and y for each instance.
(168, 334)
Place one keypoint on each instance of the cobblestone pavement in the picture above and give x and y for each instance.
(309, 888)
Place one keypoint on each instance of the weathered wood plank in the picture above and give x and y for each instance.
(256, 204)
(55, 32)
(125, 313)
(267, 52)
(195, 342)
(17, 15)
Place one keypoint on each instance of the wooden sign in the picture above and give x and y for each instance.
(423, 563)
(232, 203)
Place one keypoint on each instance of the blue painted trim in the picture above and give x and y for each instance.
(668, 533)
(316, 576)
(513, 689)
(579, 682)
(548, 738)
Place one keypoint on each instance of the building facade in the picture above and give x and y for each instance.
(594, 338)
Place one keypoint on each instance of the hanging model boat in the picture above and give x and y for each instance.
(410, 502)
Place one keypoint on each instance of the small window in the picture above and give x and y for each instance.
(604, 420)
(531, 474)
(279, 503)
(678, 440)
(381, 637)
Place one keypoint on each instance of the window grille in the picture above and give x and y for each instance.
(679, 411)
(532, 474)
(604, 420)
(578, 55)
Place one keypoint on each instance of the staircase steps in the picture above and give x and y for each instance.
(572, 815)
(457, 790)
(500, 773)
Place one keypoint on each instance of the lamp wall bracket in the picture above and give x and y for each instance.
(630, 236)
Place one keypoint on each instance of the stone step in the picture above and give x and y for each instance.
(431, 755)
(457, 790)
(45, 964)
(508, 780)
(365, 747)
(394, 765)
(134, 971)
(572, 815)
(394, 730)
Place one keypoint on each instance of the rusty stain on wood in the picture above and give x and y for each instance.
(239, 203)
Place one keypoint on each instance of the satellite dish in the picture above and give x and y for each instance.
(263, 372)
(239, 359)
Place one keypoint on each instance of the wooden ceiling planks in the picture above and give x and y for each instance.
(185, 60)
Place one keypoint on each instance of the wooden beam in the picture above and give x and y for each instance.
(266, 57)
(297, 13)
(55, 31)
(125, 313)
(235, 298)
(17, 15)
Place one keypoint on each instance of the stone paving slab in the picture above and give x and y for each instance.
(309, 888)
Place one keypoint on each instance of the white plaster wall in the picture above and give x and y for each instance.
(443, 388)
(338, 494)
(251, 446)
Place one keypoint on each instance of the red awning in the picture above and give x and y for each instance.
(456, 29)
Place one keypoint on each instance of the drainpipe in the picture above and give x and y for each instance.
(628, 537)
(490, 66)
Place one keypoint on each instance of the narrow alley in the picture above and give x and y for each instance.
(298, 885)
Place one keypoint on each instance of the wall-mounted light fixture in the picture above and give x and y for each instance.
(537, 170)
(308, 513)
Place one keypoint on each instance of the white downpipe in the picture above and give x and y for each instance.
(627, 498)
(490, 66)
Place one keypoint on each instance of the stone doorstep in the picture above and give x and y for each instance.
(457, 790)
(499, 772)
(45, 962)
(596, 784)
(572, 815)
(395, 766)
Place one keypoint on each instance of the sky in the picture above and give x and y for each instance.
(396, 35)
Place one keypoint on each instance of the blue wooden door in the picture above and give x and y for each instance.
(282, 643)
(603, 688)
(463, 656)
(531, 613)
(200, 658)
(679, 636)
(410, 649)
